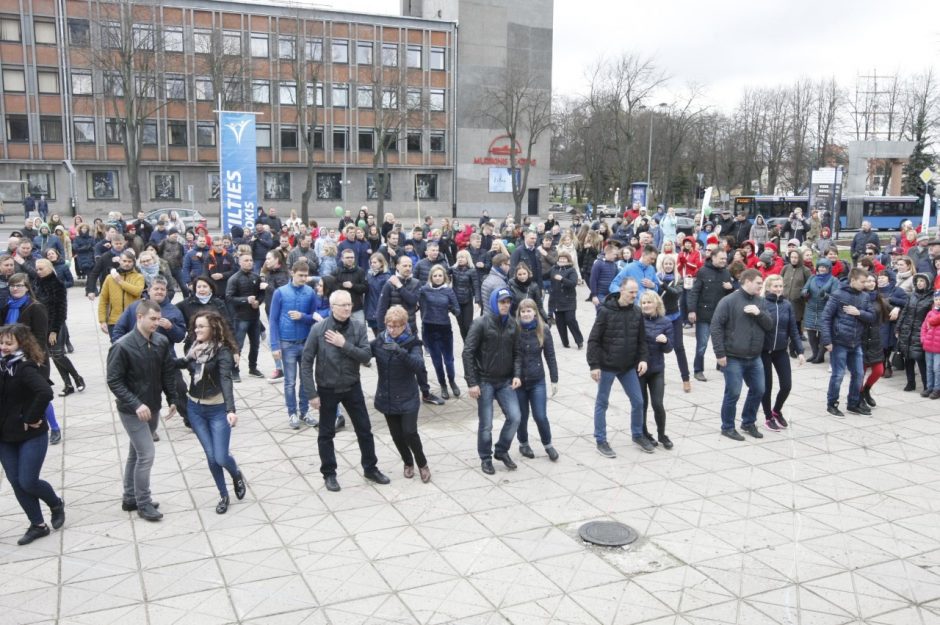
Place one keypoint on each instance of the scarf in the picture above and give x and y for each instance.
(204, 300)
(200, 354)
(820, 280)
(9, 362)
(531, 325)
(150, 272)
(404, 336)
(13, 308)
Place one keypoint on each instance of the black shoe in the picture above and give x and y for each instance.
(833, 409)
(867, 398)
(55, 437)
(131, 506)
(505, 459)
(66, 390)
(644, 444)
(34, 532)
(57, 515)
(667, 444)
(79, 384)
(238, 482)
(650, 438)
(454, 389)
(444, 393)
(700, 376)
(331, 484)
(752, 430)
(149, 512)
(487, 466)
(236, 376)
(156, 437)
(340, 422)
(222, 506)
(925, 393)
(255, 373)
(732, 434)
(552, 454)
(374, 475)
(861, 409)
(526, 451)
(910, 387)
(431, 398)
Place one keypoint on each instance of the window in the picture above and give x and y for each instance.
(389, 99)
(260, 92)
(17, 129)
(314, 95)
(202, 41)
(113, 83)
(425, 186)
(164, 185)
(263, 136)
(205, 135)
(436, 100)
(329, 187)
(50, 129)
(339, 140)
(413, 99)
(313, 50)
(145, 86)
(287, 93)
(366, 140)
(39, 183)
(79, 32)
(340, 51)
(111, 36)
(48, 81)
(114, 131)
(231, 43)
(364, 97)
(143, 37)
(176, 133)
(364, 53)
(372, 186)
(276, 185)
(437, 141)
(102, 185)
(414, 141)
(341, 96)
(390, 141)
(214, 185)
(84, 130)
(413, 57)
(204, 88)
(317, 138)
(437, 58)
(148, 133)
(390, 54)
(173, 39)
(285, 48)
(175, 87)
(319, 99)
(10, 30)
(14, 80)
(288, 138)
(233, 90)
(259, 46)
(81, 83)
(44, 33)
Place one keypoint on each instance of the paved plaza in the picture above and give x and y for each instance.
(830, 522)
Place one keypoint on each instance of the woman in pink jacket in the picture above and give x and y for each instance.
(930, 339)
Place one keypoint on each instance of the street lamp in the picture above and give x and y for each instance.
(649, 157)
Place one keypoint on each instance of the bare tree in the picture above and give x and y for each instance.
(678, 122)
(777, 115)
(306, 68)
(750, 126)
(802, 101)
(829, 101)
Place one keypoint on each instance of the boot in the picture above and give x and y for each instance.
(866, 396)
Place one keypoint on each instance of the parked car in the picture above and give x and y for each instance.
(603, 210)
(190, 217)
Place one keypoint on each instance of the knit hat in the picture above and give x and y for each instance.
(770, 246)
(824, 262)
(711, 240)
(795, 242)
(767, 258)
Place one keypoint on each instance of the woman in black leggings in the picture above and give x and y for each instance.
(653, 383)
(775, 355)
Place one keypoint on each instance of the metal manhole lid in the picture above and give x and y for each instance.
(607, 533)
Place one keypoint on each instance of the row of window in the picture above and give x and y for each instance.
(227, 42)
(177, 135)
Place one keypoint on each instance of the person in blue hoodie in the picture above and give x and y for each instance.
(775, 355)
(435, 300)
(642, 270)
(660, 338)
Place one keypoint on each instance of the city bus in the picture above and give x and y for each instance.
(884, 212)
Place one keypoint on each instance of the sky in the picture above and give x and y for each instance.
(727, 46)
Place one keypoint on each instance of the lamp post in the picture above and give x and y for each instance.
(649, 157)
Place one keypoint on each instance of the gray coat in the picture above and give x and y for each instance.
(337, 368)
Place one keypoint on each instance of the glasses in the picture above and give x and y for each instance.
(17, 286)
(395, 325)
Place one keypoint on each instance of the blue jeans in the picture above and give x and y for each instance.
(213, 431)
(291, 352)
(702, 334)
(252, 329)
(535, 397)
(933, 371)
(504, 395)
(750, 371)
(630, 382)
(842, 358)
(439, 339)
(22, 463)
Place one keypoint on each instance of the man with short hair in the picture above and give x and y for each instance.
(195, 261)
(339, 346)
(350, 277)
(848, 311)
(864, 236)
(305, 251)
(496, 279)
(432, 257)
(244, 295)
(390, 248)
(712, 282)
(123, 286)
(25, 258)
(642, 270)
(738, 328)
(29, 204)
(220, 266)
(603, 272)
(529, 254)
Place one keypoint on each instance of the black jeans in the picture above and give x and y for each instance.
(355, 405)
(567, 320)
(61, 361)
(465, 318)
(653, 386)
(780, 361)
(678, 345)
(921, 365)
(404, 431)
(818, 351)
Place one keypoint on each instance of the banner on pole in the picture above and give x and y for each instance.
(238, 171)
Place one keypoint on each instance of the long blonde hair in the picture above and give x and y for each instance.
(529, 303)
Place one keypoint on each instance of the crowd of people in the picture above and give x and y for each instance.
(329, 300)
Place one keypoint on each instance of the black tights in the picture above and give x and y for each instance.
(777, 360)
(653, 386)
(909, 370)
(404, 431)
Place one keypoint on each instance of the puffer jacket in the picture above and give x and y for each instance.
(911, 319)
(398, 364)
(523, 290)
(491, 351)
(708, 290)
(531, 353)
(840, 328)
(83, 247)
(405, 296)
(216, 378)
(618, 340)
(374, 282)
(115, 297)
(817, 294)
(930, 332)
(423, 269)
(337, 368)
(896, 297)
(466, 284)
(51, 292)
(357, 277)
(435, 303)
(736, 333)
(494, 281)
(872, 345)
(563, 295)
(653, 327)
(24, 395)
(785, 328)
(670, 289)
(301, 298)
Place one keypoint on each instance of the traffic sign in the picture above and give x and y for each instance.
(926, 175)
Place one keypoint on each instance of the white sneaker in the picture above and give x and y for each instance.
(311, 421)
(294, 421)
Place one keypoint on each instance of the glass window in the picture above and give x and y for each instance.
(204, 89)
(319, 95)
(390, 141)
(372, 186)
(205, 135)
(259, 45)
(413, 99)
(17, 129)
(148, 132)
(389, 99)
(288, 138)
(176, 133)
(364, 97)
(437, 141)
(114, 131)
(340, 51)
(202, 41)
(329, 186)
(318, 139)
(44, 32)
(10, 29)
(102, 185)
(314, 95)
(287, 93)
(111, 35)
(79, 32)
(390, 54)
(366, 140)
(143, 37)
(414, 141)
(260, 92)
(341, 96)
(285, 48)
(425, 186)
(164, 185)
(113, 83)
(145, 86)
(364, 53)
(436, 100)
(438, 57)
(231, 43)
(175, 88)
(173, 40)
(263, 136)
(84, 130)
(48, 81)
(276, 185)
(81, 83)
(50, 129)
(314, 50)
(339, 140)
(414, 57)
(39, 182)
(233, 89)
(14, 80)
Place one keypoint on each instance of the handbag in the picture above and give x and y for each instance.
(897, 360)
(688, 282)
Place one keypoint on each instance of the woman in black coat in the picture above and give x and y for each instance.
(912, 316)
(202, 298)
(399, 359)
(563, 299)
(659, 340)
(466, 285)
(51, 292)
(24, 395)
(523, 286)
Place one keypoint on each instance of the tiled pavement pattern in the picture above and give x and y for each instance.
(830, 522)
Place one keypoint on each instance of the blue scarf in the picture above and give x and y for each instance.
(822, 279)
(530, 325)
(13, 308)
(404, 336)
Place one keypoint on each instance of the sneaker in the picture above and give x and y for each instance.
(861, 409)
(605, 450)
(700, 377)
(255, 373)
(644, 444)
(310, 420)
(732, 434)
(526, 451)
(778, 417)
(752, 430)
(431, 398)
(650, 438)
(277, 375)
(935, 394)
(833, 409)
(34, 532)
(667, 444)
(294, 421)
(771, 424)
(925, 393)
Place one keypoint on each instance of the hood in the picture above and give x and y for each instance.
(495, 296)
(824, 262)
(926, 277)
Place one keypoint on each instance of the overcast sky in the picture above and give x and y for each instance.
(728, 45)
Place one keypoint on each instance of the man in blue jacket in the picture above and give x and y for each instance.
(642, 270)
(847, 313)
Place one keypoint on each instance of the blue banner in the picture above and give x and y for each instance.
(638, 193)
(238, 170)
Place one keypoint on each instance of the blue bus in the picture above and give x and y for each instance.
(884, 212)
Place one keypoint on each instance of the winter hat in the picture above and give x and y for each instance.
(824, 262)
(795, 242)
(767, 258)
(711, 240)
(173, 231)
(770, 246)
(936, 294)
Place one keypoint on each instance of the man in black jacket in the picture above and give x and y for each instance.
(529, 254)
(140, 364)
(103, 266)
(492, 364)
(350, 277)
(712, 283)
(844, 318)
(738, 329)
(617, 350)
(243, 296)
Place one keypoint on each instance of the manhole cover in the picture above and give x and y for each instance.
(607, 533)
